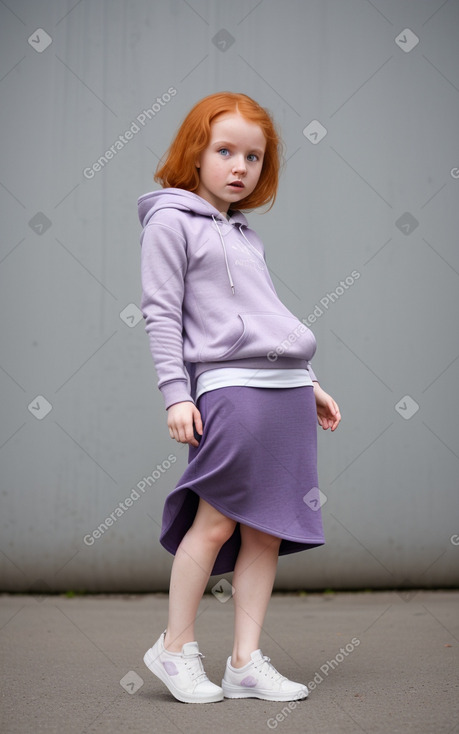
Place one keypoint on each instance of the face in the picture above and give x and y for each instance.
(230, 166)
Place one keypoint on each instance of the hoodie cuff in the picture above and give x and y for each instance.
(175, 391)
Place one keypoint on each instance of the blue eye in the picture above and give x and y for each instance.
(223, 150)
(253, 157)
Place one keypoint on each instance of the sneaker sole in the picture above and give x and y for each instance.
(155, 667)
(232, 691)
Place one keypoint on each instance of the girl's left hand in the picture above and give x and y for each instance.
(328, 413)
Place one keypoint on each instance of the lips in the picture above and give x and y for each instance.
(236, 184)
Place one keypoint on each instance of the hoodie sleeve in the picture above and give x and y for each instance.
(163, 268)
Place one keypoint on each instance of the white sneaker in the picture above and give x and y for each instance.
(260, 679)
(182, 672)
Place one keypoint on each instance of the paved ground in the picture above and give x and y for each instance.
(378, 662)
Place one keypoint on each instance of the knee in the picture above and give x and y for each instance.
(263, 541)
(220, 531)
(212, 526)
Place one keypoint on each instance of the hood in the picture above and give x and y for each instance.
(152, 202)
(171, 198)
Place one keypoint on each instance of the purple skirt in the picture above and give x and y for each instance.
(257, 464)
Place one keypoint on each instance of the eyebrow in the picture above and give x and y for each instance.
(226, 142)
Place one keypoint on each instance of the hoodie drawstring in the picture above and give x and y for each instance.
(224, 252)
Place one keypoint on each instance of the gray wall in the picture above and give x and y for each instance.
(377, 196)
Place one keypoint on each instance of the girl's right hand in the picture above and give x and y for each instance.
(180, 419)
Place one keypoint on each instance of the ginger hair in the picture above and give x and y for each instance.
(178, 169)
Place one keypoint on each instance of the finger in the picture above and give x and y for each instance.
(189, 434)
(332, 408)
(173, 431)
(198, 421)
(190, 439)
(337, 422)
(186, 434)
(181, 434)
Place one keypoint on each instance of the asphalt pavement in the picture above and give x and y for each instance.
(374, 662)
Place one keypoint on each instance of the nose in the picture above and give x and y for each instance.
(239, 165)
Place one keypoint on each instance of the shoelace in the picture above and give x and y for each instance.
(195, 667)
(266, 668)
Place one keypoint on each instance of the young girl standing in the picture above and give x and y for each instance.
(234, 369)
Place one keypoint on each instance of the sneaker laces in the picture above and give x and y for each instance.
(267, 668)
(195, 667)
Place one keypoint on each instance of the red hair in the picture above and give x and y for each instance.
(178, 170)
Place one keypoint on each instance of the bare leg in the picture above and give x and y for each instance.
(191, 569)
(253, 580)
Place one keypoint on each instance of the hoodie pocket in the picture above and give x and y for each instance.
(224, 344)
(264, 334)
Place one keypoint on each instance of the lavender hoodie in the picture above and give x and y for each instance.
(207, 297)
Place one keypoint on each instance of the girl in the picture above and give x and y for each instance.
(234, 370)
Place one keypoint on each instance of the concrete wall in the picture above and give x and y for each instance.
(372, 203)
